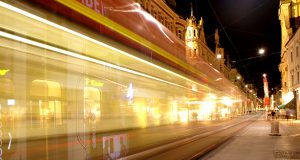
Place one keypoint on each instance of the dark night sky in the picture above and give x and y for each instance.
(244, 26)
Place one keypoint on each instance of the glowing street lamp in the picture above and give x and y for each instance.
(261, 51)
(264, 75)
(219, 56)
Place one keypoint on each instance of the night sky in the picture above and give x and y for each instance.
(244, 27)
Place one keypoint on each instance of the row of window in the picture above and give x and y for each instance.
(297, 54)
(298, 79)
(295, 9)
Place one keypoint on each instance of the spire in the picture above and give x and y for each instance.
(201, 22)
(192, 14)
(217, 38)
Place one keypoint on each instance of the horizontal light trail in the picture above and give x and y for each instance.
(82, 57)
(27, 14)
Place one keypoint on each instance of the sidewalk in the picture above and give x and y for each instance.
(254, 143)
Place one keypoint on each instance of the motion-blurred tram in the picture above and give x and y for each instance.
(59, 75)
(53, 73)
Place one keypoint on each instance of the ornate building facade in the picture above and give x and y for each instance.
(289, 16)
(197, 51)
(161, 11)
(190, 31)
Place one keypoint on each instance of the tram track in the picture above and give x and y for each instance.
(189, 148)
(150, 143)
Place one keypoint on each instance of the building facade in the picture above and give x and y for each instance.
(161, 11)
(289, 16)
(192, 33)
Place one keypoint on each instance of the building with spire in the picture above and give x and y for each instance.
(191, 32)
(196, 46)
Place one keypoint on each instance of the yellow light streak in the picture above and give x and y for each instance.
(80, 8)
(105, 20)
(3, 72)
(79, 56)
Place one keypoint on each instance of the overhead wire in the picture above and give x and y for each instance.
(237, 53)
(241, 18)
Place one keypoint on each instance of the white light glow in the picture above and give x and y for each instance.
(146, 15)
(183, 115)
(264, 75)
(227, 101)
(208, 107)
(11, 102)
(130, 91)
(218, 79)
(224, 112)
(261, 51)
(212, 96)
(287, 97)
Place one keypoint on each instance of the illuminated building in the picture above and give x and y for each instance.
(192, 32)
(161, 11)
(289, 16)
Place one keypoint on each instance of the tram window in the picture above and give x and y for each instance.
(92, 98)
(45, 103)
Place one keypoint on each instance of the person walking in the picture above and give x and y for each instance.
(273, 114)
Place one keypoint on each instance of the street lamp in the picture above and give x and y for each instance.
(219, 56)
(261, 51)
(264, 75)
